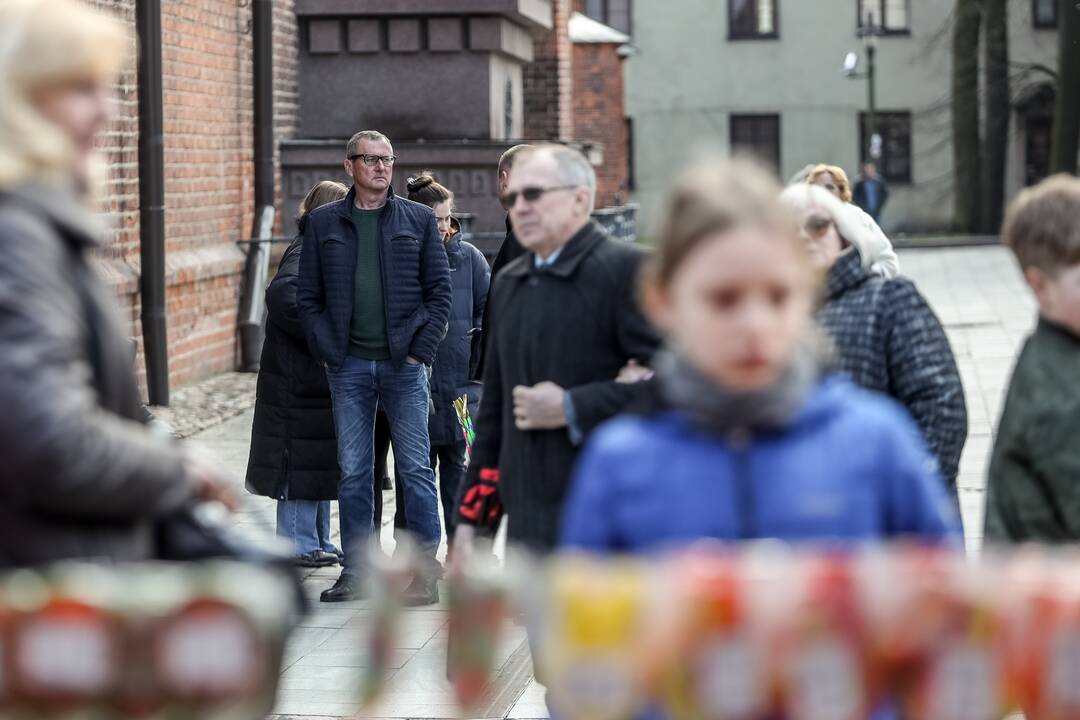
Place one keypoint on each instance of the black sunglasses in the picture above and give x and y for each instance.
(530, 194)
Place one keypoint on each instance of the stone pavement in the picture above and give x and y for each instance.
(980, 298)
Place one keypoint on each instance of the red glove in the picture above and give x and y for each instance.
(481, 505)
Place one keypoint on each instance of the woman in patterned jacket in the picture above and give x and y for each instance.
(884, 332)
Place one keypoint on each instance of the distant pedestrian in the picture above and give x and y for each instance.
(1033, 491)
(748, 435)
(454, 365)
(564, 320)
(293, 455)
(885, 333)
(82, 476)
(870, 192)
(878, 251)
(374, 295)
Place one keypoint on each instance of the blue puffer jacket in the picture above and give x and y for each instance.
(469, 279)
(416, 280)
(851, 467)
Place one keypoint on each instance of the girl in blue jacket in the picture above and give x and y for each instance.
(748, 436)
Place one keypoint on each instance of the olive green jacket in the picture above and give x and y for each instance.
(1033, 491)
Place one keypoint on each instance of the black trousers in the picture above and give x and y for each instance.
(449, 462)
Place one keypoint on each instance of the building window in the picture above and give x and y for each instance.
(1044, 14)
(613, 13)
(749, 19)
(895, 131)
(757, 135)
(889, 16)
(631, 175)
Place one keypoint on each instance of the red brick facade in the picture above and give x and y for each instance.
(208, 111)
(574, 92)
(599, 117)
(570, 93)
(548, 81)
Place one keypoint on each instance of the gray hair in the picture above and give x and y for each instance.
(573, 167)
(354, 142)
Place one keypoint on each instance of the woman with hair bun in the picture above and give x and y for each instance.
(454, 368)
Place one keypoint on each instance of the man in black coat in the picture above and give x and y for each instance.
(374, 297)
(563, 323)
(509, 251)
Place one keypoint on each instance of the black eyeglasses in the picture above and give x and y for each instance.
(530, 194)
(371, 160)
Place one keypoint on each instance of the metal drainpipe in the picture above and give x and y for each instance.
(257, 265)
(152, 201)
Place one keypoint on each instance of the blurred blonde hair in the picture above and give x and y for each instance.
(715, 196)
(843, 185)
(45, 45)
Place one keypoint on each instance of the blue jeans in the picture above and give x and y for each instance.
(306, 523)
(356, 390)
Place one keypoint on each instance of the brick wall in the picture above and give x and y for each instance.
(548, 81)
(208, 111)
(598, 116)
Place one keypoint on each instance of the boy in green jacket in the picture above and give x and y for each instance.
(1033, 492)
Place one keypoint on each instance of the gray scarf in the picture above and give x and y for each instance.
(722, 411)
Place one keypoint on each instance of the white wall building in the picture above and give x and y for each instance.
(767, 75)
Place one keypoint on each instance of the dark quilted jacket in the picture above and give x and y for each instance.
(889, 340)
(416, 280)
(293, 452)
(469, 276)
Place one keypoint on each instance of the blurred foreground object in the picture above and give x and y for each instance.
(82, 474)
(168, 641)
(768, 631)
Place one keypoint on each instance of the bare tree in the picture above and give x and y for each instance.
(965, 113)
(1066, 133)
(997, 112)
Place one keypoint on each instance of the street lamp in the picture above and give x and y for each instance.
(869, 31)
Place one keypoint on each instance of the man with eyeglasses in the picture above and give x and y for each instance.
(374, 297)
(564, 321)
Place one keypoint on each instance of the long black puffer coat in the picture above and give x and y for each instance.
(293, 445)
(456, 359)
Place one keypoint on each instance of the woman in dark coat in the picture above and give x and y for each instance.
(82, 477)
(885, 334)
(453, 371)
(293, 446)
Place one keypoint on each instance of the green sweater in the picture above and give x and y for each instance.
(1033, 490)
(367, 329)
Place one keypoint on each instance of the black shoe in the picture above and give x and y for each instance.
(345, 589)
(387, 484)
(316, 559)
(423, 590)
